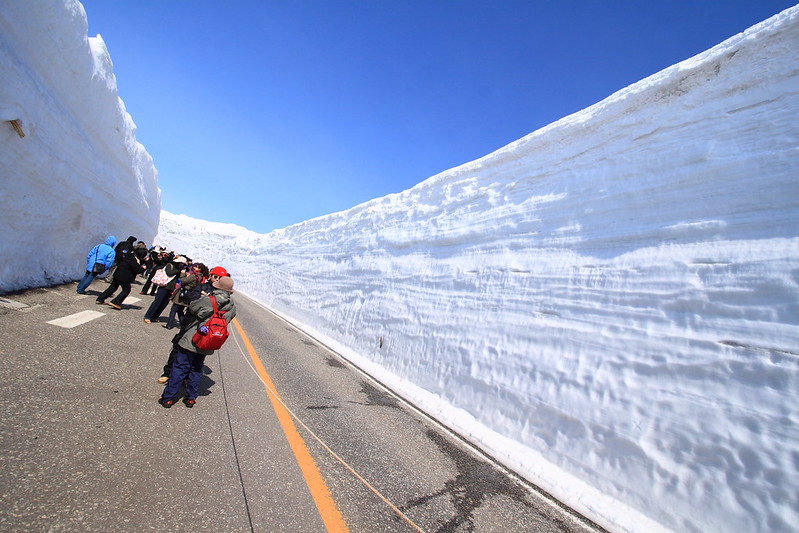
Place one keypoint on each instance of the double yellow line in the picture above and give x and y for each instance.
(328, 510)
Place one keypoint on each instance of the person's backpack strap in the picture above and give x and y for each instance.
(214, 305)
(215, 331)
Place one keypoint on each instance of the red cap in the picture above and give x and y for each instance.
(219, 271)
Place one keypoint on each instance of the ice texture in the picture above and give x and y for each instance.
(609, 305)
(78, 174)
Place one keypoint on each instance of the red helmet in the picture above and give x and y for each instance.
(219, 271)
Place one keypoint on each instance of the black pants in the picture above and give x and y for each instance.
(149, 287)
(115, 284)
(170, 361)
(159, 303)
(175, 316)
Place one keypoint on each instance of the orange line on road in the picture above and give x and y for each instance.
(328, 510)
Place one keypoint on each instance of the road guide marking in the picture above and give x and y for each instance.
(328, 510)
(12, 304)
(76, 320)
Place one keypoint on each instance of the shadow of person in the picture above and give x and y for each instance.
(206, 382)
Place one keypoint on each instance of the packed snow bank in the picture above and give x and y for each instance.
(78, 173)
(609, 305)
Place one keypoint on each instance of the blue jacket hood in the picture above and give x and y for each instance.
(102, 253)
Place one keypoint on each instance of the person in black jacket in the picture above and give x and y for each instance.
(189, 277)
(163, 293)
(190, 357)
(157, 260)
(141, 252)
(195, 293)
(125, 273)
(126, 245)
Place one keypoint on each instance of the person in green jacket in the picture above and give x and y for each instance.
(189, 359)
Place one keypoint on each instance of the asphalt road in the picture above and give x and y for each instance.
(285, 436)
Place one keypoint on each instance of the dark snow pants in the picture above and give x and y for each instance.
(112, 289)
(189, 366)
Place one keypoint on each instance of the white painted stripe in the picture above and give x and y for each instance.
(77, 319)
(11, 304)
(131, 300)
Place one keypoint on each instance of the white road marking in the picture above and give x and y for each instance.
(77, 319)
(11, 304)
(131, 300)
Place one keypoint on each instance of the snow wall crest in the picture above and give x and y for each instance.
(78, 174)
(608, 305)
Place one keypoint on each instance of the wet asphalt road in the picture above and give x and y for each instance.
(85, 447)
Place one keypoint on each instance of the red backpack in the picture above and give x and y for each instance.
(217, 330)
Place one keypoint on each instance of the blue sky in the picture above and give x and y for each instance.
(267, 113)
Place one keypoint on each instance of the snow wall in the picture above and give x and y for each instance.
(78, 174)
(609, 305)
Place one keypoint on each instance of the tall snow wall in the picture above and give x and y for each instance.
(78, 174)
(610, 305)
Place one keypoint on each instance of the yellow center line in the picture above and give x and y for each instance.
(328, 510)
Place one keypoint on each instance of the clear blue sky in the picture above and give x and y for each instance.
(265, 113)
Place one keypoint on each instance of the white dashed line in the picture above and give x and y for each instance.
(11, 304)
(76, 320)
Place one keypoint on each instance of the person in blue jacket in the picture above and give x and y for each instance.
(102, 253)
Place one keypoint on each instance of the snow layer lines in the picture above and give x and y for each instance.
(609, 305)
(78, 174)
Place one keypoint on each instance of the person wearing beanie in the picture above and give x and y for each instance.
(225, 284)
(189, 359)
(196, 292)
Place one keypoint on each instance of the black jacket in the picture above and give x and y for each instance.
(172, 269)
(197, 291)
(125, 245)
(141, 253)
(127, 267)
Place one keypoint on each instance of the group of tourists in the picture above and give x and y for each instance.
(198, 296)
